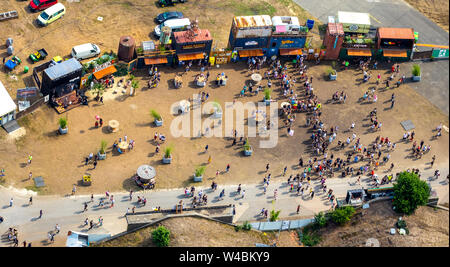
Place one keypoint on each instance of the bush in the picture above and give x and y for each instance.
(274, 214)
(308, 237)
(246, 226)
(247, 145)
(320, 220)
(416, 70)
(168, 152)
(200, 171)
(155, 115)
(63, 123)
(409, 193)
(342, 215)
(103, 145)
(331, 71)
(161, 236)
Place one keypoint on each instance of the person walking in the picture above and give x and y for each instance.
(95, 164)
(243, 194)
(228, 168)
(11, 202)
(30, 175)
(74, 189)
(392, 103)
(86, 222)
(92, 198)
(91, 225)
(275, 194)
(40, 214)
(432, 160)
(85, 206)
(206, 148)
(217, 173)
(284, 170)
(29, 159)
(100, 221)
(30, 202)
(267, 167)
(209, 159)
(57, 228)
(131, 195)
(298, 208)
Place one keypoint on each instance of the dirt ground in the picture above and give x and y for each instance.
(207, 234)
(427, 228)
(435, 10)
(59, 159)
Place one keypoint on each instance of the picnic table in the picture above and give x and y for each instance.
(123, 146)
(256, 77)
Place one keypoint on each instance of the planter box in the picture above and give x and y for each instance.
(267, 101)
(333, 77)
(167, 160)
(248, 152)
(158, 123)
(417, 78)
(198, 179)
(101, 156)
(63, 131)
(217, 114)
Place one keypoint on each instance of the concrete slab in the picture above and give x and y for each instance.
(39, 181)
(407, 125)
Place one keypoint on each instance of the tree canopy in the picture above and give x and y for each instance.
(409, 193)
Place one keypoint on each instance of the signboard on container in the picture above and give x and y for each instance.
(27, 92)
(440, 53)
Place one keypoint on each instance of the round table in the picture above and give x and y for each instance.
(113, 125)
(201, 80)
(123, 146)
(256, 77)
(146, 173)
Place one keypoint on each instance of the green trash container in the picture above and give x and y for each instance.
(25, 69)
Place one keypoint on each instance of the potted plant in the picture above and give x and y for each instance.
(198, 175)
(267, 96)
(217, 110)
(102, 152)
(247, 148)
(134, 85)
(332, 74)
(63, 125)
(416, 73)
(167, 158)
(157, 117)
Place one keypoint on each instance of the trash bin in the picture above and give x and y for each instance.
(25, 69)
(310, 24)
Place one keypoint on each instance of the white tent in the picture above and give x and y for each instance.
(7, 106)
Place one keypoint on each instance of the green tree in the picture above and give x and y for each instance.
(161, 236)
(274, 214)
(409, 193)
(320, 220)
(342, 215)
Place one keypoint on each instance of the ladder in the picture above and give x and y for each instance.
(9, 15)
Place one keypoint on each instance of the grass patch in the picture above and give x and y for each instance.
(285, 2)
(20, 142)
(38, 190)
(241, 8)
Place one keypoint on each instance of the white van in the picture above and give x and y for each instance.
(174, 24)
(85, 51)
(51, 14)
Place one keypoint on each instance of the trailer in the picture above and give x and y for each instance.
(9, 15)
(12, 63)
(39, 55)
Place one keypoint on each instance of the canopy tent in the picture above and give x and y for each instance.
(192, 56)
(290, 51)
(7, 104)
(153, 61)
(104, 72)
(146, 172)
(359, 52)
(251, 53)
(394, 53)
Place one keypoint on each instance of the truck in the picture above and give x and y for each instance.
(164, 3)
(39, 55)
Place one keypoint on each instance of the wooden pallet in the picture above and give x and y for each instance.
(9, 15)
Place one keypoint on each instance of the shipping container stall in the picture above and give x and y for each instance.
(150, 54)
(249, 35)
(193, 44)
(395, 44)
(288, 37)
(61, 78)
(333, 40)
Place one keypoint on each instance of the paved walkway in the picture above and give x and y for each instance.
(67, 211)
(397, 13)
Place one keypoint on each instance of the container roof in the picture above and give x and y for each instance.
(285, 20)
(396, 33)
(186, 37)
(353, 17)
(6, 103)
(336, 28)
(63, 68)
(252, 21)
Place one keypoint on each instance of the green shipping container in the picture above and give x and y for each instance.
(440, 53)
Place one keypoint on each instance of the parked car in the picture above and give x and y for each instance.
(168, 15)
(51, 14)
(174, 24)
(85, 51)
(39, 5)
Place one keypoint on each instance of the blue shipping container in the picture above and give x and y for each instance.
(287, 42)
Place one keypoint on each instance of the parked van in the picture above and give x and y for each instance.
(51, 14)
(175, 24)
(38, 5)
(85, 51)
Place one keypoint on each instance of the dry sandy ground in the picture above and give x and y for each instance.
(206, 234)
(59, 159)
(427, 228)
(436, 10)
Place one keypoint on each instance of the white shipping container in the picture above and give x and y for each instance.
(257, 32)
